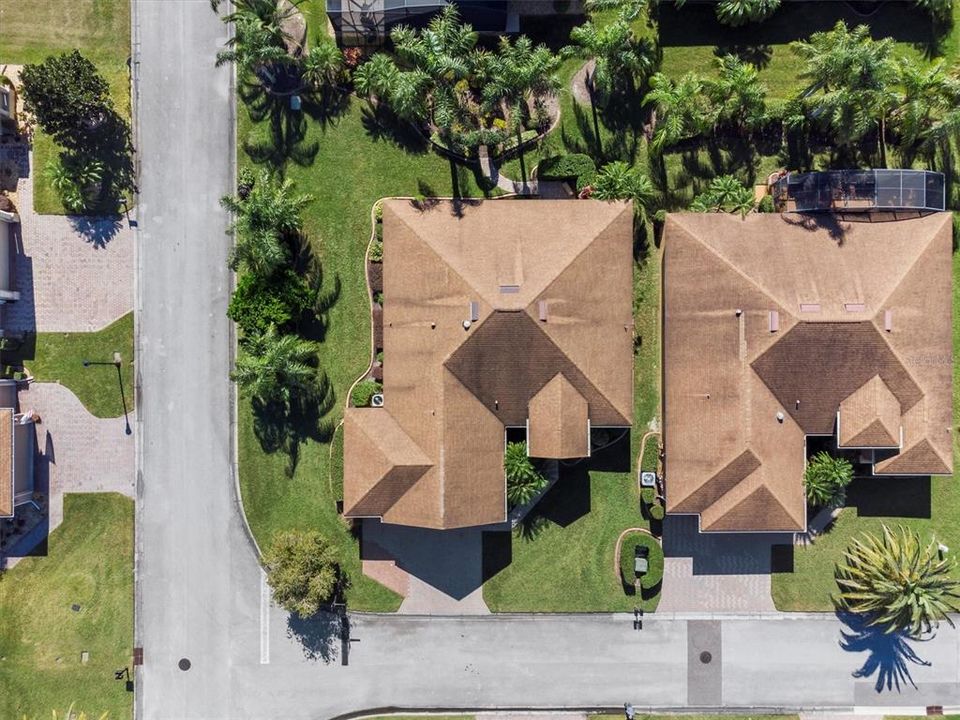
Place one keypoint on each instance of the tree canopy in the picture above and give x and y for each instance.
(302, 571)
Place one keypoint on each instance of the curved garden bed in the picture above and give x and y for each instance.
(650, 583)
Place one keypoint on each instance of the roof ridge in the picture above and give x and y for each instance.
(762, 487)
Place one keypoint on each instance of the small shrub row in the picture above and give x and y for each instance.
(363, 392)
(654, 573)
(566, 167)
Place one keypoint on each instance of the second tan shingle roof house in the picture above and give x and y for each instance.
(780, 327)
(498, 314)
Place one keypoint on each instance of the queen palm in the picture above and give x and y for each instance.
(620, 181)
(276, 368)
(263, 220)
(620, 57)
(929, 93)
(851, 81)
(740, 12)
(683, 108)
(259, 38)
(724, 194)
(898, 583)
(628, 9)
(737, 94)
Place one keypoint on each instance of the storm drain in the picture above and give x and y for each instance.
(184, 664)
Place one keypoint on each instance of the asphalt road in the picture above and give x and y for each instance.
(199, 593)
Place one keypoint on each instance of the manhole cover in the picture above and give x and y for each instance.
(705, 657)
(184, 664)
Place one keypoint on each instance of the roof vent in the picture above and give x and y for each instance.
(854, 307)
(376, 400)
(474, 311)
(774, 321)
(780, 416)
(466, 324)
(809, 307)
(739, 312)
(509, 289)
(542, 305)
(888, 320)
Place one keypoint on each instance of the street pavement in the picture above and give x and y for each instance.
(200, 596)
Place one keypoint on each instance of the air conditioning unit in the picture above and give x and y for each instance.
(377, 400)
(648, 479)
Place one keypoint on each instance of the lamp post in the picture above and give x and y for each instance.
(117, 362)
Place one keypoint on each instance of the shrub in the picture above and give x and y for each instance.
(378, 298)
(524, 481)
(739, 12)
(302, 569)
(246, 179)
(380, 356)
(826, 478)
(648, 496)
(657, 512)
(378, 211)
(766, 204)
(376, 251)
(363, 391)
(281, 300)
(655, 560)
(565, 167)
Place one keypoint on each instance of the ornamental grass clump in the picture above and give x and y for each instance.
(896, 583)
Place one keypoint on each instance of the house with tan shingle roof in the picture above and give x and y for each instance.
(782, 327)
(498, 314)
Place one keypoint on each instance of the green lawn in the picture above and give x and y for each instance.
(89, 562)
(930, 509)
(58, 357)
(697, 717)
(100, 29)
(347, 163)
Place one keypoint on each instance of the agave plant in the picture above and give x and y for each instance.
(524, 481)
(896, 582)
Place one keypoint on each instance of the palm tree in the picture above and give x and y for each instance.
(276, 368)
(725, 194)
(851, 82)
(269, 214)
(683, 108)
(619, 55)
(524, 481)
(825, 480)
(740, 12)
(620, 181)
(737, 93)
(323, 66)
(929, 93)
(259, 37)
(899, 584)
(628, 9)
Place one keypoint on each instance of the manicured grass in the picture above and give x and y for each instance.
(422, 717)
(697, 717)
(654, 575)
(58, 357)
(355, 163)
(89, 563)
(929, 509)
(99, 29)
(564, 562)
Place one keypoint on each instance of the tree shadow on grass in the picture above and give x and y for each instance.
(384, 126)
(889, 655)
(314, 324)
(319, 636)
(287, 426)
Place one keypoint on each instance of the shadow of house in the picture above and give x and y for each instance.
(889, 655)
(720, 553)
(18, 451)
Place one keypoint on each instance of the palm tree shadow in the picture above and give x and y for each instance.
(889, 654)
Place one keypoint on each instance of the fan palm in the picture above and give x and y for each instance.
(683, 108)
(275, 368)
(826, 478)
(620, 57)
(898, 583)
(737, 93)
(524, 481)
(620, 181)
(270, 212)
(851, 81)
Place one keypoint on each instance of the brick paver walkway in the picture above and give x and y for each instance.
(74, 274)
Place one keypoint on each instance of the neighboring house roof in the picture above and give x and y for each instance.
(776, 325)
(546, 289)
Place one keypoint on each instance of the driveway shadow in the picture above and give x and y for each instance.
(720, 553)
(889, 655)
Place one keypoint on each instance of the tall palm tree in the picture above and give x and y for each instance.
(929, 93)
(897, 582)
(851, 82)
(259, 38)
(619, 55)
(620, 181)
(683, 108)
(519, 73)
(323, 65)
(737, 94)
(276, 368)
(262, 221)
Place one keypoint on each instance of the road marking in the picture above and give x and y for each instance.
(264, 619)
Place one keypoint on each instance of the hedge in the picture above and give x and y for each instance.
(655, 560)
(364, 391)
(566, 167)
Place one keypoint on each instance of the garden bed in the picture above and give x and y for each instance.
(650, 583)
